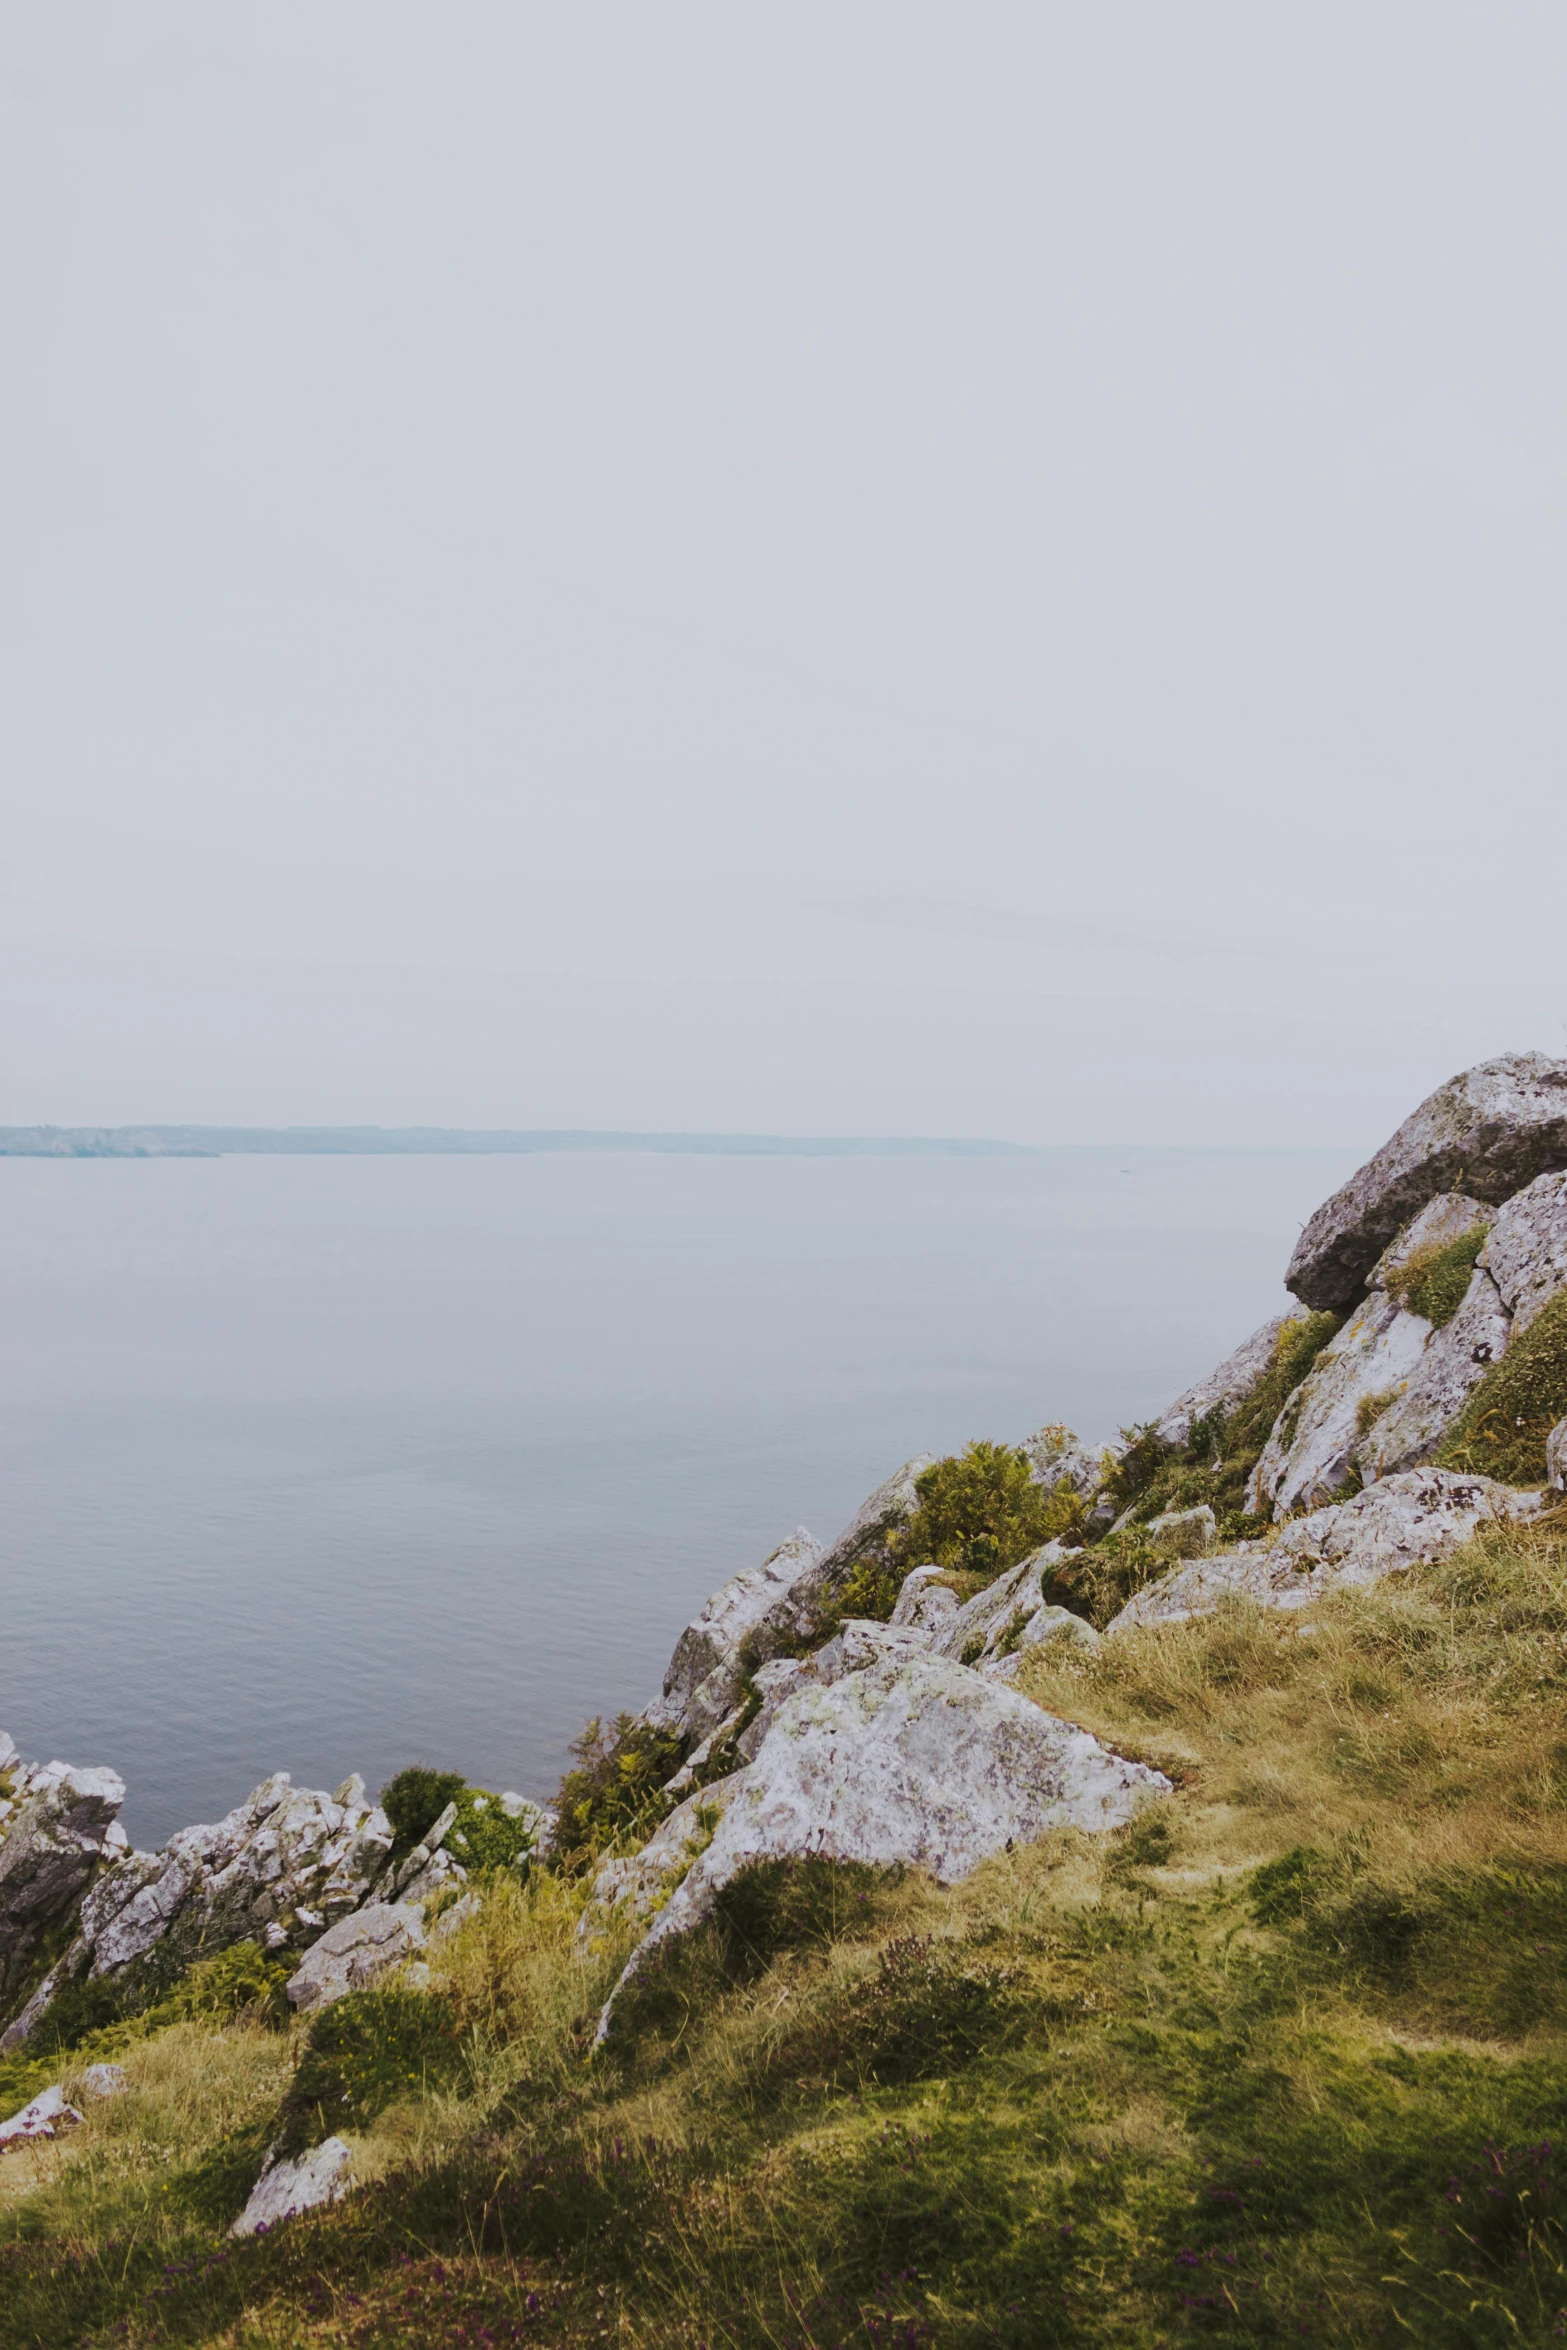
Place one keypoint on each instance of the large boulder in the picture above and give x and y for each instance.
(1409, 1520)
(1489, 1132)
(1224, 1388)
(62, 1825)
(912, 1760)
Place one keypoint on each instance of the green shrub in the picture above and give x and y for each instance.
(363, 2053)
(483, 1836)
(617, 1783)
(1502, 1430)
(1434, 1281)
(981, 1511)
(414, 1800)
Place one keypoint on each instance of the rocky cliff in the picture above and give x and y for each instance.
(864, 1703)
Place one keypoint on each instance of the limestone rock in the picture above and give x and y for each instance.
(1224, 1388)
(1488, 1132)
(1055, 1457)
(915, 1761)
(1456, 1359)
(704, 1675)
(1183, 1534)
(1556, 1457)
(644, 1880)
(1044, 1626)
(995, 1618)
(1309, 1455)
(45, 2117)
(104, 2080)
(354, 1951)
(924, 1602)
(1408, 1520)
(273, 1871)
(286, 2188)
(55, 1841)
(1526, 1251)
(788, 1599)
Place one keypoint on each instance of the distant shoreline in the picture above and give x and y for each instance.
(212, 1142)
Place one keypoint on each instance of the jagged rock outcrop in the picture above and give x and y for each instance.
(1223, 1388)
(60, 1828)
(1057, 1457)
(286, 2188)
(784, 1601)
(913, 1761)
(1488, 1132)
(277, 1870)
(1409, 1520)
(354, 1951)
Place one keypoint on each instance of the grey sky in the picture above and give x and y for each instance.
(619, 508)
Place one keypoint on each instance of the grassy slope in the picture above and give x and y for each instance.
(1286, 2060)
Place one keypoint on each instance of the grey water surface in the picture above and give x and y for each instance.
(320, 1464)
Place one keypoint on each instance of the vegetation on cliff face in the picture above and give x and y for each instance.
(1503, 1429)
(1286, 2060)
(1434, 1281)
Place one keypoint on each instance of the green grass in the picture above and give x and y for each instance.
(1435, 1281)
(1284, 2061)
(1503, 1427)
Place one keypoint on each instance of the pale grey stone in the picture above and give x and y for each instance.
(1224, 1388)
(1456, 1359)
(441, 1873)
(354, 1951)
(1056, 1457)
(1556, 1457)
(1183, 1534)
(104, 2080)
(1045, 1626)
(1418, 1517)
(702, 1683)
(283, 1857)
(1310, 1454)
(912, 1761)
(997, 1616)
(45, 2117)
(924, 1601)
(52, 1848)
(286, 2188)
(1488, 1133)
(415, 1864)
(1526, 1252)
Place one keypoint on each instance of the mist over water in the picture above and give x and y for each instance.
(321, 1464)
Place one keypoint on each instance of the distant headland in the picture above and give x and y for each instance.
(212, 1142)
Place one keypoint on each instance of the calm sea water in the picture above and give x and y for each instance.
(324, 1464)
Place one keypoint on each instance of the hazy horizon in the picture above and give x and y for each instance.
(876, 569)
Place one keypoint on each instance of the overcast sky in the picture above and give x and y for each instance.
(868, 566)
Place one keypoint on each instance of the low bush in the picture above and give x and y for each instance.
(414, 1800)
(981, 1511)
(616, 1783)
(363, 2054)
